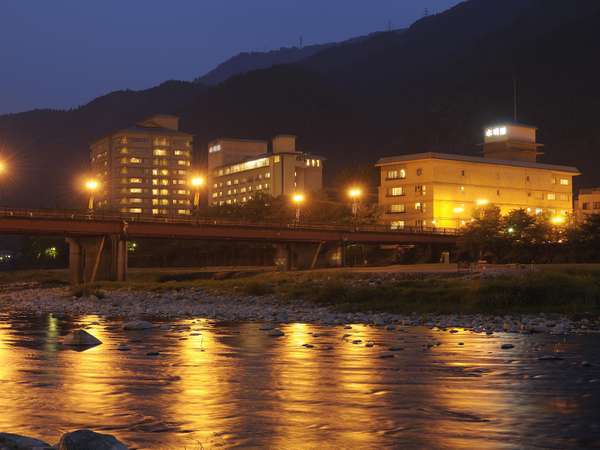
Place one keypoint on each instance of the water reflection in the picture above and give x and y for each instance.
(231, 385)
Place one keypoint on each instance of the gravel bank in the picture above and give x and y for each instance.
(196, 302)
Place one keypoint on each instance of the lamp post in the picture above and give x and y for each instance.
(355, 193)
(198, 181)
(91, 185)
(298, 199)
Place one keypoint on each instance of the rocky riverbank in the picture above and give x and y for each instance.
(197, 302)
(76, 440)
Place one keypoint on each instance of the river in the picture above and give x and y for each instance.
(224, 385)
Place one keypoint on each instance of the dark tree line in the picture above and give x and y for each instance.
(523, 238)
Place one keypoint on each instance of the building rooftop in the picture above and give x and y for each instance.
(268, 155)
(594, 190)
(475, 159)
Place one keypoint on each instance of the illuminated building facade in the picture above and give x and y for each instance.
(144, 169)
(241, 169)
(588, 202)
(438, 190)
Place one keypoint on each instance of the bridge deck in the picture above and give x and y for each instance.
(76, 223)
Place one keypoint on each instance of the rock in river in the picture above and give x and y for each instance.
(137, 325)
(15, 442)
(88, 440)
(81, 338)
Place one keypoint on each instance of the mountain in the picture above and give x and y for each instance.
(249, 61)
(433, 86)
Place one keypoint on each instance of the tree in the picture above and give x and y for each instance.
(482, 238)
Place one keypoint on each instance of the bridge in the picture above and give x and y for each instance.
(98, 240)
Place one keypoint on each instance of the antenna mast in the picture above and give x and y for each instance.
(515, 99)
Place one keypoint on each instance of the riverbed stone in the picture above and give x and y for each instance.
(81, 338)
(9, 441)
(137, 325)
(89, 440)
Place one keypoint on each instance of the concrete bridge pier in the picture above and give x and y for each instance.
(304, 256)
(99, 258)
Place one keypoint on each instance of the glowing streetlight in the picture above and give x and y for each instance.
(2, 167)
(355, 193)
(91, 185)
(197, 182)
(298, 199)
(558, 220)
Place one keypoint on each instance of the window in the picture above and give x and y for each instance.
(276, 159)
(183, 162)
(214, 148)
(160, 141)
(419, 206)
(183, 211)
(419, 172)
(135, 180)
(596, 205)
(538, 211)
(124, 151)
(181, 153)
(396, 174)
(396, 209)
(396, 191)
(564, 181)
(420, 189)
(462, 173)
(134, 160)
(183, 192)
(135, 190)
(585, 205)
(268, 175)
(135, 210)
(462, 189)
(551, 196)
(563, 197)
(397, 225)
(159, 152)
(135, 200)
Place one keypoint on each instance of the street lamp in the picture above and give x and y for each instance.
(198, 181)
(91, 185)
(298, 199)
(355, 193)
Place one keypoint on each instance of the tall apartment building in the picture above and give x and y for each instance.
(588, 202)
(443, 190)
(144, 169)
(240, 169)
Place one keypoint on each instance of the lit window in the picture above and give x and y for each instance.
(418, 206)
(124, 151)
(183, 162)
(183, 192)
(538, 211)
(135, 190)
(268, 175)
(183, 211)
(214, 148)
(160, 152)
(276, 159)
(135, 180)
(181, 153)
(397, 225)
(397, 191)
(564, 181)
(135, 210)
(134, 160)
(400, 208)
(551, 196)
(135, 200)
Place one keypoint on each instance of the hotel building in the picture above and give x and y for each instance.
(441, 190)
(144, 169)
(240, 169)
(588, 202)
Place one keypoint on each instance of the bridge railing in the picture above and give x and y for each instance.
(205, 221)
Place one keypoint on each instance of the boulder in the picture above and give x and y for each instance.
(89, 440)
(81, 338)
(10, 441)
(137, 325)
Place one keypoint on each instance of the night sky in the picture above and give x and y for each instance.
(63, 53)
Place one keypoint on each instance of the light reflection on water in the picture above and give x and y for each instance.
(231, 385)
